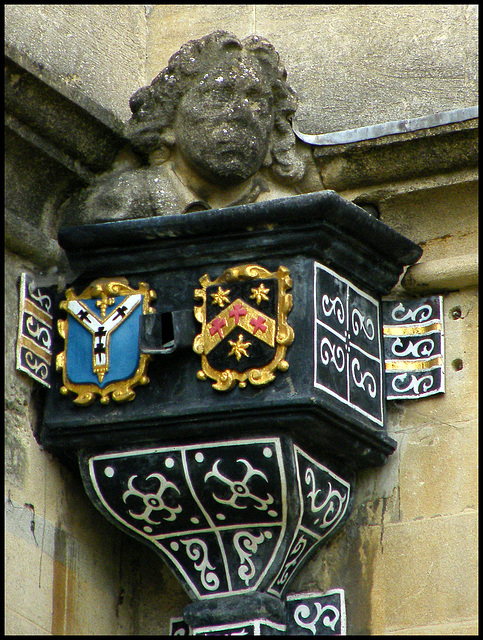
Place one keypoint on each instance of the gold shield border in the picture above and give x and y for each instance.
(227, 379)
(121, 390)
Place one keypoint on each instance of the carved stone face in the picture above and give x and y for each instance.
(223, 123)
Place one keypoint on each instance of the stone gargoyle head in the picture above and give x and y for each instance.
(213, 129)
(225, 105)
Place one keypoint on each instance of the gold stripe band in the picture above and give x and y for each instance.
(32, 308)
(413, 365)
(390, 330)
(35, 348)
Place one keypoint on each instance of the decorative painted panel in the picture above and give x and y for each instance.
(316, 614)
(324, 505)
(35, 330)
(178, 627)
(347, 344)
(414, 347)
(217, 512)
(246, 628)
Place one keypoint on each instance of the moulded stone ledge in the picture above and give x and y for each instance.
(399, 157)
(445, 274)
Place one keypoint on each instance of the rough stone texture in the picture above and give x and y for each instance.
(380, 162)
(214, 130)
(99, 49)
(351, 65)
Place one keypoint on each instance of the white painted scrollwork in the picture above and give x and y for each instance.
(38, 366)
(36, 330)
(297, 552)
(246, 545)
(197, 549)
(401, 314)
(365, 378)
(332, 353)
(362, 322)
(421, 349)
(333, 503)
(333, 305)
(44, 301)
(302, 613)
(152, 501)
(414, 384)
(239, 488)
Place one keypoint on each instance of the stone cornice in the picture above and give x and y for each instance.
(399, 157)
(57, 140)
(58, 119)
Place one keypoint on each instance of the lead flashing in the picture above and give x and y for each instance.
(387, 128)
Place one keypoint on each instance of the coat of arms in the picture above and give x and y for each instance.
(101, 336)
(244, 334)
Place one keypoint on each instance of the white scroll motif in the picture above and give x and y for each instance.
(44, 301)
(152, 501)
(303, 611)
(37, 365)
(194, 549)
(246, 545)
(371, 381)
(240, 488)
(332, 353)
(333, 305)
(36, 330)
(333, 498)
(361, 322)
(400, 314)
(297, 551)
(421, 349)
(425, 382)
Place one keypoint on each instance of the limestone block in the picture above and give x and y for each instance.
(445, 214)
(426, 572)
(17, 624)
(99, 49)
(439, 467)
(23, 595)
(57, 582)
(457, 628)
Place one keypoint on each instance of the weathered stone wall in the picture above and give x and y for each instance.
(99, 49)
(351, 65)
(407, 557)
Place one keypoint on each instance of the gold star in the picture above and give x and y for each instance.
(259, 293)
(220, 297)
(239, 348)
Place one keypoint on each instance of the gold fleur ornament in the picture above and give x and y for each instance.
(101, 336)
(257, 311)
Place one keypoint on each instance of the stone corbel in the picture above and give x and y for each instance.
(234, 458)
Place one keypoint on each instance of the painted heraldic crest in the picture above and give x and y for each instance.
(244, 335)
(101, 335)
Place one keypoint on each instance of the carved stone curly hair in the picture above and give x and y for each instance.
(154, 106)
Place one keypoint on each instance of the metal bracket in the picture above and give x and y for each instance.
(163, 333)
(414, 347)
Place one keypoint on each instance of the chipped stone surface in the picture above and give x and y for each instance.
(72, 41)
(374, 63)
